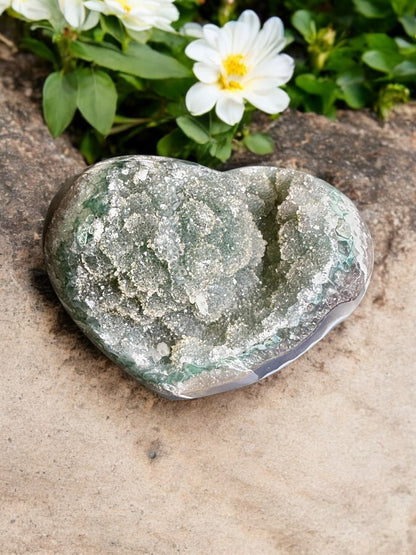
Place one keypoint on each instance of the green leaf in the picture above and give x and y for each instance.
(131, 82)
(224, 151)
(217, 127)
(98, 34)
(374, 9)
(389, 96)
(303, 22)
(355, 96)
(380, 41)
(138, 59)
(140, 36)
(111, 26)
(259, 143)
(404, 70)
(155, 65)
(403, 7)
(176, 109)
(174, 144)
(90, 147)
(173, 89)
(382, 60)
(96, 98)
(39, 48)
(406, 48)
(289, 37)
(173, 41)
(193, 129)
(59, 101)
(351, 77)
(351, 85)
(326, 89)
(409, 24)
(297, 96)
(340, 59)
(311, 84)
(221, 149)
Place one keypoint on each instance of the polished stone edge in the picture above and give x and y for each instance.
(56, 201)
(332, 319)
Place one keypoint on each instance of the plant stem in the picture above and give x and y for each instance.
(125, 126)
(8, 43)
(67, 61)
(226, 10)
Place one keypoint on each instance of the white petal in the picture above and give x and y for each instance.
(271, 101)
(135, 24)
(139, 36)
(245, 32)
(115, 7)
(192, 30)
(206, 73)
(274, 27)
(225, 39)
(33, 10)
(138, 16)
(211, 34)
(273, 32)
(270, 40)
(201, 98)
(144, 14)
(278, 70)
(165, 14)
(199, 51)
(4, 4)
(96, 6)
(250, 18)
(230, 109)
(74, 12)
(91, 21)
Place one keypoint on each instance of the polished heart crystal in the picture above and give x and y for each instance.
(197, 281)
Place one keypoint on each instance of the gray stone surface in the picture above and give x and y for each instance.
(197, 281)
(318, 459)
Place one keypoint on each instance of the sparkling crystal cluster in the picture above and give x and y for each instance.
(197, 281)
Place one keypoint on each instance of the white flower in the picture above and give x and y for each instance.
(193, 30)
(77, 16)
(4, 4)
(138, 15)
(239, 62)
(34, 10)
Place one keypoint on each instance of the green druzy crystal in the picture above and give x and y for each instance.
(196, 281)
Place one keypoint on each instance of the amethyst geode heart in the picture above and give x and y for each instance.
(197, 281)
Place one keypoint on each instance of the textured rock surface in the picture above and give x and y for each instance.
(317, 459)
(198, 282)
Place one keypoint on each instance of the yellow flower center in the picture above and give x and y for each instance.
(125, 4)
(234, 66)
(230, 85)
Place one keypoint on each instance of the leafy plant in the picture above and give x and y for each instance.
(121, 84)
(360, 54)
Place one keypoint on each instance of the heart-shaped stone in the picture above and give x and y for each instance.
(197, 281)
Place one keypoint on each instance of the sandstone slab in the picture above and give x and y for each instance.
(317, 459)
